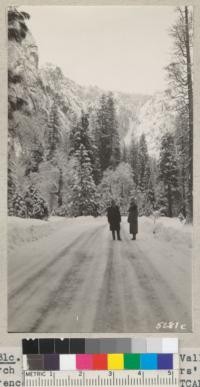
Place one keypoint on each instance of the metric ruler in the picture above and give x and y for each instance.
(100, 378)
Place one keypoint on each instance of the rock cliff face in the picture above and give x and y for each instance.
(35, 90)
(27, 102)
(155, 117)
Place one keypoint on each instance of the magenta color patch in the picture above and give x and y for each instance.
(84, 362)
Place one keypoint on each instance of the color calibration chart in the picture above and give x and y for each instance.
(100, 362)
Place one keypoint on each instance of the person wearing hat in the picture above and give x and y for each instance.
(133, 218)
(114, 219)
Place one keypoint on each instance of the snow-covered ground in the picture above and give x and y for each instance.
(22, 230)
(71, 268)
(169, 229)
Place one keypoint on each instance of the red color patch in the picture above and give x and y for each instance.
(100, 362)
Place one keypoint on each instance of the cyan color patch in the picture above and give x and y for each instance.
(148, 361)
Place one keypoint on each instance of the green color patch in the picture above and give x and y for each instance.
(131, 361)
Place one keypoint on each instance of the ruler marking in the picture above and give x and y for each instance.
(98, 379)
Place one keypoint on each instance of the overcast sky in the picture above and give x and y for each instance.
(116, 48)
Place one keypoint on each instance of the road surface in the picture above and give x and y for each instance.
(78, 280)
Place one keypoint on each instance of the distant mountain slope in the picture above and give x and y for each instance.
(136, 113)
(39, 87)
(73, 97)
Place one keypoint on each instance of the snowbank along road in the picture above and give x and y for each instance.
(78, 280)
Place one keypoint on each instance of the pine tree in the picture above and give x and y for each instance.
(102, 135)
(181, 144)
(19, 207)
(53, 135)
(168, 171)
(124, 153)
(60, 188)
(143, 163)
(113, 129)
(36, 156)
(181, 86)
(36, 206)
(133, 159)
(80, 134)
(106, 133)
(83, 189)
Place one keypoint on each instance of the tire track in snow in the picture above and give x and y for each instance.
(81, 308)
(42, 271)
(145, 297)
(175, 309)
(109, 316)
(68, 284)
(166, 304)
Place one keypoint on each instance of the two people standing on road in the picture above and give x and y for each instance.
(114, 219)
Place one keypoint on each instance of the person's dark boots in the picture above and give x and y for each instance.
(118, 236)
(134, 237)
(113, 235)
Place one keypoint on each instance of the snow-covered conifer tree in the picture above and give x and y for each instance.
(168, 171)
(53, 135)
(83, 189)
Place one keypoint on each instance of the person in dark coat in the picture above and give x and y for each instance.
(133, 218)
(114, 219)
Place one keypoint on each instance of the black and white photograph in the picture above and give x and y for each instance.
(100, 169)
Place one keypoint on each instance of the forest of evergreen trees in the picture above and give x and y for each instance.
(79, 173)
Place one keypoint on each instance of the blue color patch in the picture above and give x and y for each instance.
(148, 361)
(165, 361)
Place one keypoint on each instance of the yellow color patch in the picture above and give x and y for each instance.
(115, 361)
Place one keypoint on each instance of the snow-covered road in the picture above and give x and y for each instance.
(78, 280)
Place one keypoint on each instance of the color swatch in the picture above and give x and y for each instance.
(71, 354)
(110, 361)
(103, 345)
